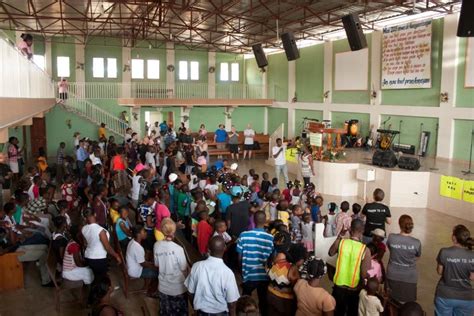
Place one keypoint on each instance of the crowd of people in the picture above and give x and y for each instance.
(137, 202)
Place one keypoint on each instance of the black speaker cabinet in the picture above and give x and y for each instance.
(259, 55)
(289, 44)
(410, 163)
(354, 33)
(384, 158)
(466, 19)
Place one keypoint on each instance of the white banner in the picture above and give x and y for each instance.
(406, 56)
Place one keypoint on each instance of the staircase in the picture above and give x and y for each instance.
(94, 114)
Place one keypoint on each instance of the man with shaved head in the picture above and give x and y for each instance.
(212, 284)
(353, 261)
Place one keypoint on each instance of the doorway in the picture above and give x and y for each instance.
(38, 136)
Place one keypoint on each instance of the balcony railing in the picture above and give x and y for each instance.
(20, 77)
(152, 90)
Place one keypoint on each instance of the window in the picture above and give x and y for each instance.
(224, 71)
(62, 66)
(194, 70)
(138, 69)
(98, 67)
(39, 61)
(183, 70)
(153, 69)
(111, 67)
(234, 71)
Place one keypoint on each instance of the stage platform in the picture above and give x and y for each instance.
(403, 188)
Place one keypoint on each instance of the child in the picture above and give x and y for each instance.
(295, 193)
(356, 208)
(220, 228)
(204, 232)
(265, 183)
(282, 212)
(296, 221)
(343, 221)
(62, 209)
(316, 204)
(375, 270)
(307, 231)
(69, 192)
(378, 235)
(246, 306)
(287, 192)
(122, 228)
(113, 210)
(33, 191)
(330, 221)
(212, 186)
(273, 186)
(41, 161)
(273, 207)
(369, 303)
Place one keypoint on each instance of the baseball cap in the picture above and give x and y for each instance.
(172, 177)
(379, 232)
(236, 191)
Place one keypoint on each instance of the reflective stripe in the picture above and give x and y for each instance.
(348, 263)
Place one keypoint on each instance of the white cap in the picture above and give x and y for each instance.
(234, 166)
(172, 177)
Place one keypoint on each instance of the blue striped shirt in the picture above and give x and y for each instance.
(255, 246)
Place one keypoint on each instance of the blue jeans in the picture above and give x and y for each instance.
(452, 307)
(282, 169)
(148, 273)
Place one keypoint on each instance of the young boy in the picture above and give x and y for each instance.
(356, 208)
(147, 219)
(62, 210)
(204, 232)
(122, 228)
(113, 210)
(273, 186)
(220, 227)
(265, 183)
(369, 303)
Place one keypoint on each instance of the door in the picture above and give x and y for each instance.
(170, 119)
(38, 136)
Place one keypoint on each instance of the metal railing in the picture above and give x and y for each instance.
(95, 114)
(20, 77)
(160, 90)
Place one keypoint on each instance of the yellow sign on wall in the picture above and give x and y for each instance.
(468, 191)
(291, 154)
(451, 187)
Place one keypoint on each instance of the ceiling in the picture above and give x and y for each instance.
(220, 25)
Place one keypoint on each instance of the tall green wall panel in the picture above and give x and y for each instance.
(301, 114)
(465, 96)
(229, 58)
(253, 75)
(176, 114)
(338, 119)
(209, 116)
(64, 46)
(277, 116)
(105, 48)
(245, 115)
(277, 75)
(428, 96)
(462, 139)
(411, 128)
(158, 51)
(310, 74)
(184, 54)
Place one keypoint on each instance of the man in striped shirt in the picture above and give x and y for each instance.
(254, 247)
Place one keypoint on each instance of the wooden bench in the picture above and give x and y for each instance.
(11, 271)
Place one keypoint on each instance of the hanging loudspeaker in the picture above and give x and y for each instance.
(354, 32)
(466, 19)
(259, 55)
(289, 44)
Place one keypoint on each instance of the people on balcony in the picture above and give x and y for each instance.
(63, 87)
(24, 45)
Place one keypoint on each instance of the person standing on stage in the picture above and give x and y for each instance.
(306, 165)
(278, 153)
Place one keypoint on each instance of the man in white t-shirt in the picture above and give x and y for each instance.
(249, 135)
(278, 153)
(137, 266)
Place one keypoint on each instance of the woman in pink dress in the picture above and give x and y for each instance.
(25, 45)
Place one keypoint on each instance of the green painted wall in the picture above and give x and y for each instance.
(462, 139)
(209, 116)
(310, 74)
(142, 51)
(276, 116)
(38, 45)
(277, 76)
(183, 53)
(64, 46)
(105, 47)
(352, 97)
(464, 96)
(411, 127)
(338, 119)
(229, 58)
(10, 35)
(253, 75)
(300, 114)
(245, 115)
(428, 96)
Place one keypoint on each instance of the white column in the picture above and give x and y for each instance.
(228, 118)
(291, 120)
(265, 120)
(291, 80)
(170, 75)
(264, 85)
(448, 85)
(135, 120)
(184, 116)
(327, 72)
(48, 57)
(80, 52)
(211, 83)
(126, 75)
(375, 66)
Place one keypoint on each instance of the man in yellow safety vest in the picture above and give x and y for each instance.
(351, 269)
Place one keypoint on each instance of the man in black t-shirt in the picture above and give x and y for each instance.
(376, 215)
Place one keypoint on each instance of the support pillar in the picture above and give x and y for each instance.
(211, 79)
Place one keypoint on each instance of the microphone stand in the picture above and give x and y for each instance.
(467, 172)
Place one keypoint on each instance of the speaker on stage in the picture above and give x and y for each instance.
(259, 55)
(289, 44)
(354, 32)
(410, 163)
(384, 158)
(466, 19)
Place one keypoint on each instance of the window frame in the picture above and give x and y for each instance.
(135, 60)
(222, 66)
(232, 72)
(107, 69)
(66, 74)
(157, 69)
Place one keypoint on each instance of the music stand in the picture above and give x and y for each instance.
(470, 157)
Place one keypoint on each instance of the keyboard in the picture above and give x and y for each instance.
(388, 131)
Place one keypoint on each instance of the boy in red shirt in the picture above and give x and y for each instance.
(204, 232)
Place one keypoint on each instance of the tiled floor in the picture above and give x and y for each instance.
(431, 227)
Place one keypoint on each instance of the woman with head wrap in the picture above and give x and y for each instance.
(311, 297)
